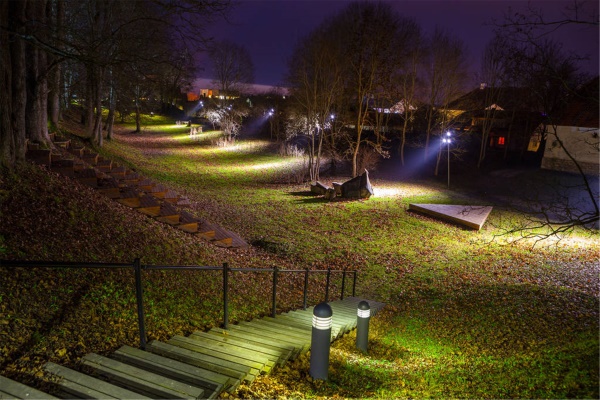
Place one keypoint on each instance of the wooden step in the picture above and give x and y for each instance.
(211, 382)
(118, 171)
(206, 230)
(187, 222)
(129, 179)
(168, 214)
(76, 384)
(64, 167)
(88, 176)
(276, 336)
(10, 389)
(287, 351)
(130, 198)
(109, 187)
(303, 335)
(90, 158)
(235, 372)
(341, 324)
(256, 367)
(171, 196)
(158, 191)
(104, 165)
(273, 355)
(40, 156)
(145, 185)
(76, 150)
(140, 380)
(269, 361)
(149, 206)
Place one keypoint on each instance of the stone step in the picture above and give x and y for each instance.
(10, 389)
(79, 385)
(140, 380)
(211, 382)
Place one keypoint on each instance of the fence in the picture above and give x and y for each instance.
(138, 268)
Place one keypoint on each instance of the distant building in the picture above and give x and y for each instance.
(205, 88)
(578, 132)
(502, 112)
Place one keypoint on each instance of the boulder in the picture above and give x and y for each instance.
(358, 187)
(318, 188)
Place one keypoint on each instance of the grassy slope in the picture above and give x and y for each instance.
(467, 317)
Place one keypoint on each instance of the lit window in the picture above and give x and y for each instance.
(501, 141)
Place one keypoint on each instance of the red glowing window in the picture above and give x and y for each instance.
(501, 140)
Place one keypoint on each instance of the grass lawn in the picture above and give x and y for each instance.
(469, 315)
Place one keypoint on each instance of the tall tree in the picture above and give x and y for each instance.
(445, 75)
(232, 67)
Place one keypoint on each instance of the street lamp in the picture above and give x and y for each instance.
(448, 140)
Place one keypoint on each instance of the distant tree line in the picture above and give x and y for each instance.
(369, 57)
(102, 54)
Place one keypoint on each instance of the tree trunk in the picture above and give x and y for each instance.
(13, 92)
(54, 81)
(7, 142)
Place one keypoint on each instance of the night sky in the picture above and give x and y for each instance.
(270, 29)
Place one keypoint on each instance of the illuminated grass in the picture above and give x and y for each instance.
(468, 317)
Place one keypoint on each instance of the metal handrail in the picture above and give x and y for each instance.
(138, 267)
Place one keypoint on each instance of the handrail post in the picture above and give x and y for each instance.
(137, 267)
(327, 285)
(274, 299)
(225, 295)
(305, 289)
(343, 283)
(354, 284)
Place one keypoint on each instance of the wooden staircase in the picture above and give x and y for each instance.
(202, 365)
(128, 188)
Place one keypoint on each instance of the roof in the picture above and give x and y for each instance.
(583, 109)
(503, 98)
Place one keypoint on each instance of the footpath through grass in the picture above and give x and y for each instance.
(467, 317)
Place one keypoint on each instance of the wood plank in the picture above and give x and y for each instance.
(84, 386)
(339, 326)
(271, 354)
(235, 371)
(256, 367)
(211, 382)
(10, 389)
(252, 354)
(141, 380)
(275, 335)
(287, 351)
(300, 334)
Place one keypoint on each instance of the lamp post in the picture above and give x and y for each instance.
(448, 140)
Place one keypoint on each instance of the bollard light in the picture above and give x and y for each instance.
(362, 325)
(320, 341)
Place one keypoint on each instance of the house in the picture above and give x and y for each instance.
(576, 131)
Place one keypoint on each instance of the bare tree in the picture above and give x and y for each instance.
(232, 67)
(553, 82)
(445, 74)
(315, 73)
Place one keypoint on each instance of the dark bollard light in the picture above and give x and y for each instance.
(320, 341)
(362, 326)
